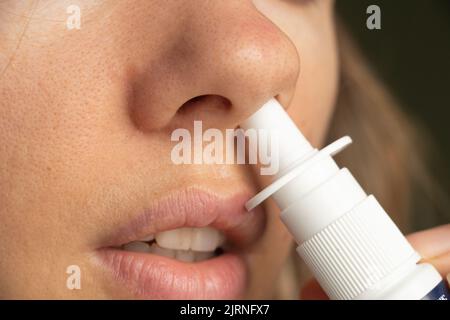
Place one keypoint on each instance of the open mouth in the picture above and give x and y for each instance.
(182, 244)
(189, 245)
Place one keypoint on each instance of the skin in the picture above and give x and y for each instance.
(86, 117)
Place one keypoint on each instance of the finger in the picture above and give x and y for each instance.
(431, 243)
(312, 291)
(434, 247)
(441, 263)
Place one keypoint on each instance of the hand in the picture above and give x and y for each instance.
(433, 245)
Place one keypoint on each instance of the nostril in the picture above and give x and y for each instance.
(204, 104)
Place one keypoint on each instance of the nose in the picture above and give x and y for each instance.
(219, 63)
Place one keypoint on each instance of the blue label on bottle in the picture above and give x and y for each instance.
(440, 292)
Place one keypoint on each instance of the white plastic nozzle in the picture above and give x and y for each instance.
(273, 118)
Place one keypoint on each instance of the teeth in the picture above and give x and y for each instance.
(197, 239)
(179, 239)
(206, 239)
(155, 249)
(186, 256)
(182, 255)
(200, 256)
(184, 244)
(137, 246)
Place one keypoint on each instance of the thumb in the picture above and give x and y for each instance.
(313, 291)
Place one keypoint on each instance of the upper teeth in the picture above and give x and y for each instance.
(197, 239)
(186, 244)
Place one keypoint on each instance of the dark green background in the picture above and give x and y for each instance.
(411, 53)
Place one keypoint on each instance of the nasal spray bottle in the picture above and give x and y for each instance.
(351, 245)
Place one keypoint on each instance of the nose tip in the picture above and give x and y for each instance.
(261, 64)
(226, 63)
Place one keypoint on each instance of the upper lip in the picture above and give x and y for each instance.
(196, 207)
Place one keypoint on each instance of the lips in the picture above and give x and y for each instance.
(150, 275)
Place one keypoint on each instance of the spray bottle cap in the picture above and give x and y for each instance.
(344, 236)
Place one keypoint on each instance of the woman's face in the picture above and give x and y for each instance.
(85, 126)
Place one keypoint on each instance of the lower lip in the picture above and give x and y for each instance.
(150, 276)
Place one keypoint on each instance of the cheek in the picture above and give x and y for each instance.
(266, 260)
(316, 90)
(315, 96)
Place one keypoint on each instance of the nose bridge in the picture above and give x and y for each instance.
(225, 49)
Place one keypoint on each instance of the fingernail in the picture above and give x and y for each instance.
(448, 278)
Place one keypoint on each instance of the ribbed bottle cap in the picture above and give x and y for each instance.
(357, 251)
